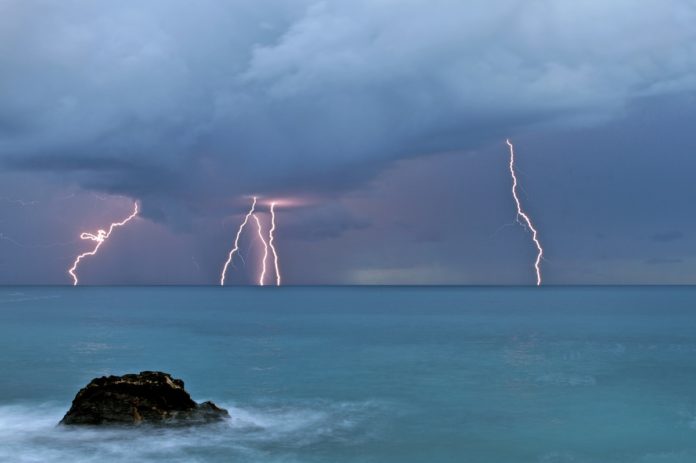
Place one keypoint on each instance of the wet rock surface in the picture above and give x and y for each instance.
(147, 397)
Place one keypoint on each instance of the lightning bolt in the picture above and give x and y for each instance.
(271, 237)
(524, 216)
(99, 238)
(265, 250)
(236, 242)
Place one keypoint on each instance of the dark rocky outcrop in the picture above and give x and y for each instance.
(147, 397)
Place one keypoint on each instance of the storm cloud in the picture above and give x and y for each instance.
(179, 104)
(383, 121)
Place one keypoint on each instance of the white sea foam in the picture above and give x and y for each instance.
(29, 434)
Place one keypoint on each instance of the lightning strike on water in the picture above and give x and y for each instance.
(265, 250)
(100, 238)
(236, 242)
(524, 216)
(270, 243)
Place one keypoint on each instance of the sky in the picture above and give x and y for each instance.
(378, 126)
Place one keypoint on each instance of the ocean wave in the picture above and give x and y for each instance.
(19, 297)
(559, 457)
(268, 432)
(562, 379)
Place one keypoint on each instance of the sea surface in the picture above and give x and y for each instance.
(384, 375)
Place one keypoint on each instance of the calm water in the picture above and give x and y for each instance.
(338, 375)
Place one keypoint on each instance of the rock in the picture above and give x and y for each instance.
(147, 397)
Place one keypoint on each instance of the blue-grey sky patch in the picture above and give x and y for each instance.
(663, 261)
(668, 236)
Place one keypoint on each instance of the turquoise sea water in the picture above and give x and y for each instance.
(334, 375)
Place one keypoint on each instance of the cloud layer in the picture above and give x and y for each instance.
(380, 124)
(185, 106)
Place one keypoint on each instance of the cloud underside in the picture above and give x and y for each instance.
(183, 105)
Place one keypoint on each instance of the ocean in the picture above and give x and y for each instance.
(361, 374)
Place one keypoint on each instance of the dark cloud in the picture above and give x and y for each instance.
(308, 95)
(321, 223)
(70, 163)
